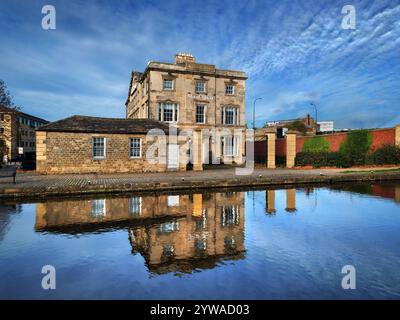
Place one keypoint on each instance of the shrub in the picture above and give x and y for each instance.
(322, 159)
(316, 144)
(386, 154)
(337, 159)
(356, 146)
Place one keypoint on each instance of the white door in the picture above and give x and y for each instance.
(173, 156)
(204, 151)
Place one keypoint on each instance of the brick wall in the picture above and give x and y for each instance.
(379, 137)
(334, 140)
(260, 151)
(61, 152)
(280, 146)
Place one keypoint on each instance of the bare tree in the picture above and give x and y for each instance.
(6, 99)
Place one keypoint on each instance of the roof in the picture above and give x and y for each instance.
(194, 67)
(87, 124)
(189, 67)
(26, 115)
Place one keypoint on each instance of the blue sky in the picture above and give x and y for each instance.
(293, 52)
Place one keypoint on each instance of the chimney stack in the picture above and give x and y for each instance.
(183, 58)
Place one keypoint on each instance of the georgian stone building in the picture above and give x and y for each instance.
(197, 110)
(17, 130)
(194, 96)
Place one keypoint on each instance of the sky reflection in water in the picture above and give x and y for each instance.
(263, 244)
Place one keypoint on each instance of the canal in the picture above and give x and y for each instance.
(236, 244)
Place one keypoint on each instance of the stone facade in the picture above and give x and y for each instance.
(191, 85)
(69, 152)
(9, 134)
(82, 144)
(270, 158)
(290, 149)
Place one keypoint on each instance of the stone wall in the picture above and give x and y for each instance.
(5, 123)
(62, 152)
(10, 134)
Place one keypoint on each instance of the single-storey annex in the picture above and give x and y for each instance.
(82, 144)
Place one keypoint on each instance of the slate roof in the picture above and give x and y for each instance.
(87, 124)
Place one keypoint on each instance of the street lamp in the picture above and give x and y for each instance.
(254, 113)
(316, 116)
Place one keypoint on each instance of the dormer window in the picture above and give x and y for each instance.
(229, 89)
(168, 84)
(200, 86)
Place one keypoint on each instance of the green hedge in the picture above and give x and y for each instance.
(322, 159)
(356, 146)
(386, 154)
(316, 144)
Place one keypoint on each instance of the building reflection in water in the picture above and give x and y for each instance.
(290, 201)
(174, 233)
(378, 190)
(6, 213)
(270, 201)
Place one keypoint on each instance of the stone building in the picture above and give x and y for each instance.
(17, 129)
(194, 96)
(81, 144)
(282, 126)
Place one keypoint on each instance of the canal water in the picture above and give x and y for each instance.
(240, 244)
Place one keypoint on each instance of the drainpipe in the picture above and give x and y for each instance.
(148, 98)
(214, 153)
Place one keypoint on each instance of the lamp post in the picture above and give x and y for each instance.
(254, 113)
(316, 116)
